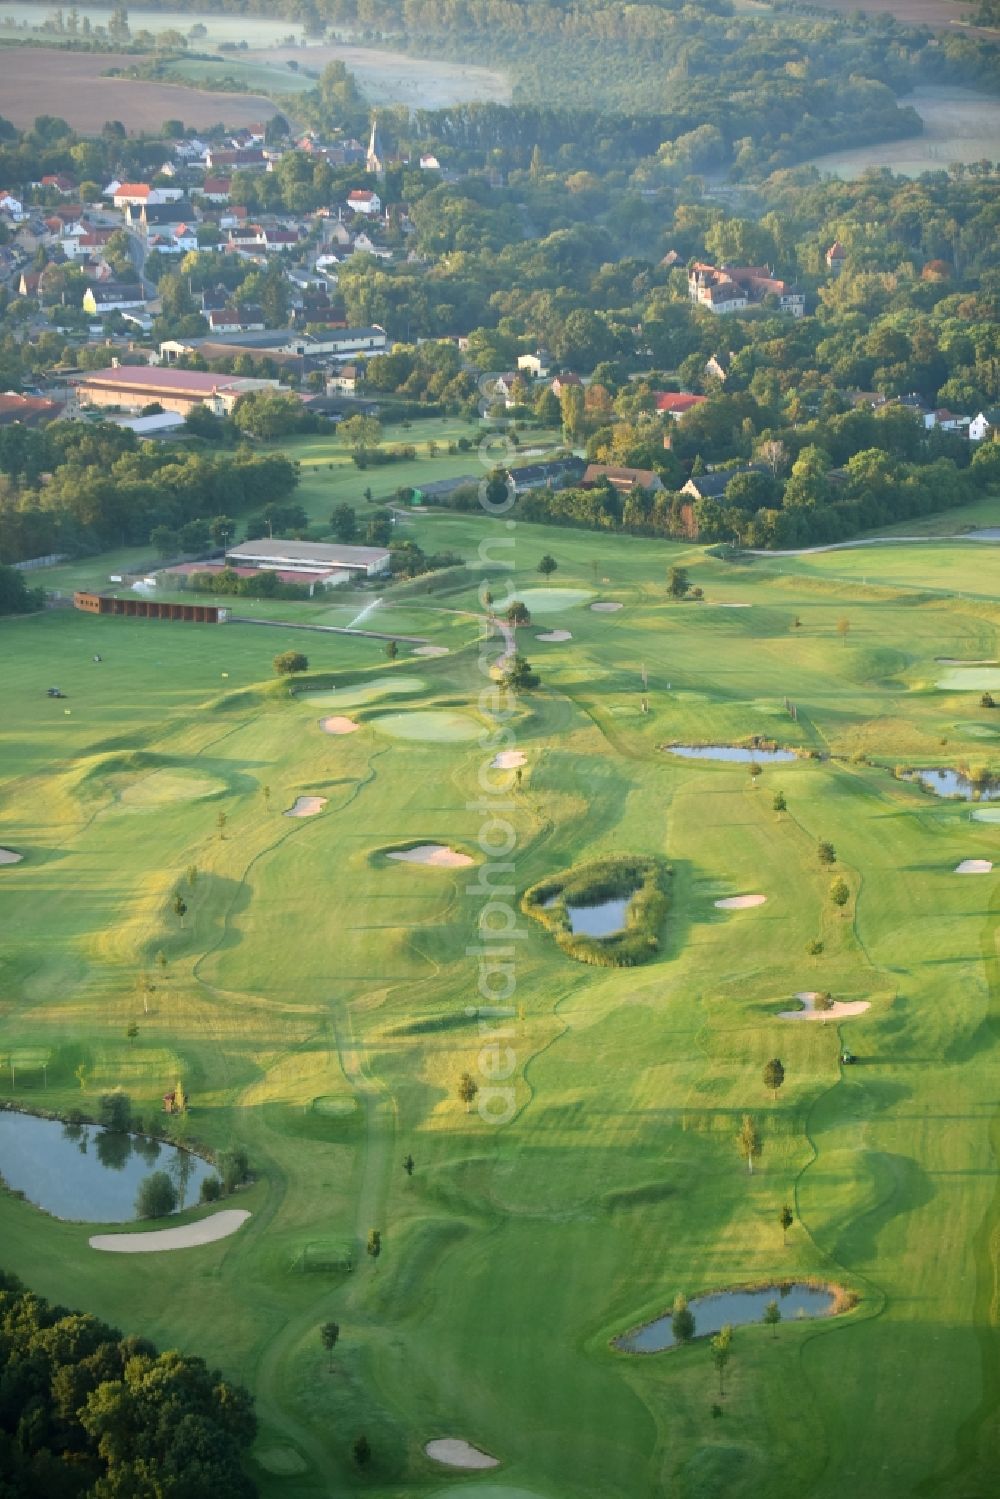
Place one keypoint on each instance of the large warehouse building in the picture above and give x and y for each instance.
(270, 554)
(131, 387)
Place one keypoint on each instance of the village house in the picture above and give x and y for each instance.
(712, 486)
(344, 380)
(677, 404)
(621, 479)
(12, 207)
(836, 258)
(27, 411)
(112, 296)
(728, 288)
(984, 424)
(364, 200)
(563, 382)
(215, 189)
(536, 365)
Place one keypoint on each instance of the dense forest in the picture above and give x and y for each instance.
(85, 1411)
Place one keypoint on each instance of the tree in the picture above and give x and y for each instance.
(362, 1451)
(157, 1196)
(682, 1319)
(772, 1316)
(408, 1165)
(222, 529)
(374, 1245)
(517, 614)
(192, 875)
(131, 1031)
(180, 907)
(164, 541)
(786, 1219)
(840, 892)
(391, 650)
(749, 1141)
(826, 852)
(774, 1076)
(843, 629)
(233, 1167)
(779, 804)
(210, 1190)
(467, 1090)
(116, 1112)
(547, 565)
(220, 822)
(289, 662)
(360, 432)
(722, 1352)
(823, 1000)
(329, 1333)
(180, 1099)
(344, 523)
(678, 582)
(517, 675)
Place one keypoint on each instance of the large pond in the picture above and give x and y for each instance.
(953, 783)
(603, 919)
(84, 1173)
(738, 1308)
(731, 752)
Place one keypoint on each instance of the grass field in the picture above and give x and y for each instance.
(959, 125)
(317, 1006)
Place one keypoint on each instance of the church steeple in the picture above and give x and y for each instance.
(375, 160)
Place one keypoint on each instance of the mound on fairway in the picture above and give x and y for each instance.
(360, 693)
(456, 1453)
(740, 902)
(9, 856)
(307, 806)
(436, 725)
(839, 1010)
(164, 787)
(438, 855)
(187, 1236)
(335, 1106)
(338, 725)
(974, 866)
(283, 1462)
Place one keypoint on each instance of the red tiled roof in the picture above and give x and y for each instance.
(677, 402)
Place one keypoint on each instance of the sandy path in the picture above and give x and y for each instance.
(840, 1009)
(456, 1453)
(186, 1236)
(435, 854)
(740, 902)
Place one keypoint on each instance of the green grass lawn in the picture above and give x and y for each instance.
(312, 968)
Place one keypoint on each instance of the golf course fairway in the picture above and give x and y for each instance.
(321, 1003)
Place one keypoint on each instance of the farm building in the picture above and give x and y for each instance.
(274, 555)
(182, 391)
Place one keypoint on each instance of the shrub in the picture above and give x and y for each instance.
(233, 1167)
(211, 1189)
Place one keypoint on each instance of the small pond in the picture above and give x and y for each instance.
(603, 919)
(84, 1173)
(953, 783)
(731, 752)
(739, 1308)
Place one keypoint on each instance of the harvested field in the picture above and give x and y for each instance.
(939, 15)
(42, 80)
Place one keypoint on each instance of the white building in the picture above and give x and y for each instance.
(270, 554)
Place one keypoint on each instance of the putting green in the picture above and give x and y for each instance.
(438, 725)
(362, 692)
(986, 814)
(335, 1106)
(283, 1462)
(978, 730)
(970, 679)
(162, 787)
(550, 600)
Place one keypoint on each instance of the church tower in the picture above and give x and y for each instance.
(375, 160)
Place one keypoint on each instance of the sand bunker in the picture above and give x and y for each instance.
(969, 679)
(986, 814)
(605, 608)
(508, 760)
(718, 604)
(307, 806)
(437, 854)
(555, 635)
(455, 1453)
(187, 1236)
(740, 902)
(965, 661)
(8, 856)
(974, 866)
(841, 1009)
(337, 725)
(431, 650)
